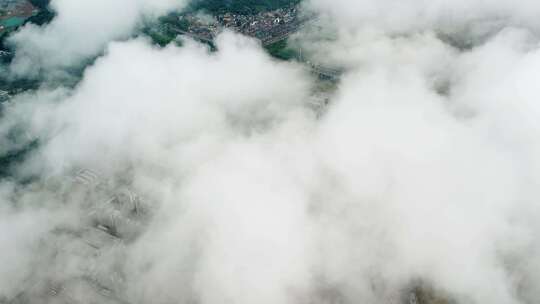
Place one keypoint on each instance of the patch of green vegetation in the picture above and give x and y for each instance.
(44, 16)
(160, 38)
(281, 50)
(45, 13)
(182, 24)
(41, 4)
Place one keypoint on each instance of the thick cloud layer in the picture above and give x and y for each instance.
(181, 175)
(411, 15)
(82, 29)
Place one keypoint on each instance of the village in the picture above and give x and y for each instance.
(268, 27)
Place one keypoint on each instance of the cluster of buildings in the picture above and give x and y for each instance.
(13, 13)
(268, 27)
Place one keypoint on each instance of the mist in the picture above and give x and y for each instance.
(191, 174)
(83, 29)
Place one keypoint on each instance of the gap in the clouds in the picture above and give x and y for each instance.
(68, 78)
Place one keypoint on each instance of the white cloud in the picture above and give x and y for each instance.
(83, 29)
(422, 168)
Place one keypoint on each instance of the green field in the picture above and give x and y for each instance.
(282, 50)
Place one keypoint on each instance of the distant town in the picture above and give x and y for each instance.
(269, 27)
